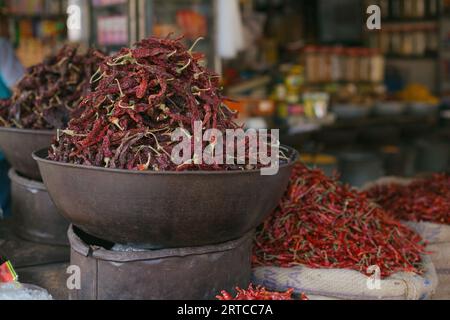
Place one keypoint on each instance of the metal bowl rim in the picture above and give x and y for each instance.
(25, 182)
(38, 157)
(79, 245)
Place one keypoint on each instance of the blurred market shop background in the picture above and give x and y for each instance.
(364, 103)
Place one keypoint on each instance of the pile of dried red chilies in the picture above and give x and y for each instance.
(141, 96)
(258, 293)
(50, 92)
(425, 199)
(321, 223)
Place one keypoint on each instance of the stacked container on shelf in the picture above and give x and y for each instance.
(340, 64)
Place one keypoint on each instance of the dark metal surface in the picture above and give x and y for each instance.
(185, 273)
(163, 209)
(51, 277)
(432, 156)
(358, 168)
(18, 144)
(24, 254)
(35, 217)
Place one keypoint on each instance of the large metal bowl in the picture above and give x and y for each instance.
(18, 144)
(163, 209)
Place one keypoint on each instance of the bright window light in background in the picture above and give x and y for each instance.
(76, 21)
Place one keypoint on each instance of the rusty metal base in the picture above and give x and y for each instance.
(195, 273)
(35, 217)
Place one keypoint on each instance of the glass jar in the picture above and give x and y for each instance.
(419, 41)
(337, 61)
(395, 41)
(384, 36)
(352, 65)
(384, 6)
(432, 39)
(407, 41)
(419, 9)
(408, 8)
(396, 9)
(311, 64)
(433, 8)
(364, 64)
(325, 64)
(376, 66)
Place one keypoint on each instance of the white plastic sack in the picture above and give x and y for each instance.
(348, 284)
(19, 291)
(440, 255)
(431, 232)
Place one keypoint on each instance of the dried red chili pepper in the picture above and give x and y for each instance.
(322, 223)
(50, 92)
(425, 199)
(141, 96)
(258, 293)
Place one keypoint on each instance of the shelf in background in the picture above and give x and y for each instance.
(384, 120)
(37, 16)
(426, 20)
(109, 5)
(412, 57)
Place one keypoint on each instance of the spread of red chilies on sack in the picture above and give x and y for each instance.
(425, 199)
(321, 223)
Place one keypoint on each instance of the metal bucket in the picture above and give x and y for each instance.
(379, 135)
(359, 168)
(35, 217)
(163, 209)
(195, 273)
(432, 156)
(394, 160)
(19, 144)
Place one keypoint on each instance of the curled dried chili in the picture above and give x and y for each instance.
(426, 199)
(322, 223)
(258, 293)
(49, 94)
(142, 95)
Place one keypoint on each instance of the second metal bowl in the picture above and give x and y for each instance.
(18, 144)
